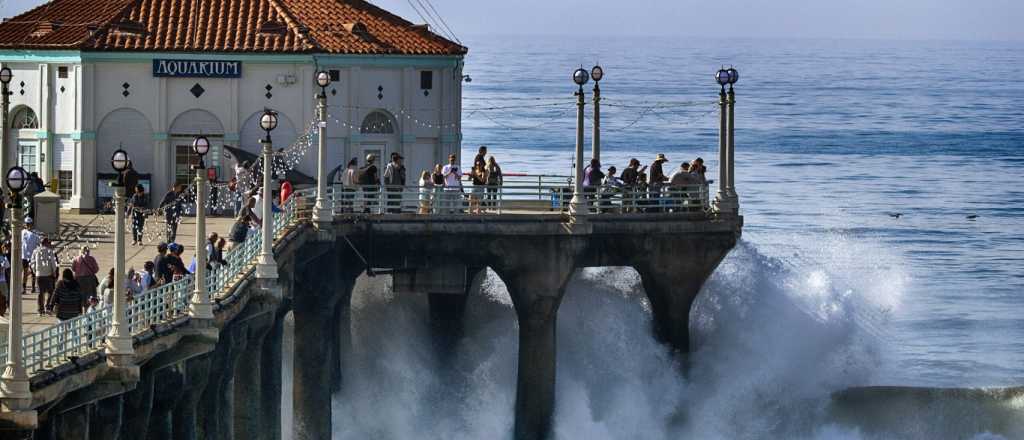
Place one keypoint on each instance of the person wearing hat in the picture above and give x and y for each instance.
(394, 178)
(30, 239)
(658, 177)
(369, 179)
(85, 268)
(173, 206)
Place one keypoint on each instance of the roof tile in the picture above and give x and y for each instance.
(223, 26)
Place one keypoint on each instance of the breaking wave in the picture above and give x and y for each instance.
(781, 347)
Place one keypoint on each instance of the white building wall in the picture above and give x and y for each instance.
(70, 131)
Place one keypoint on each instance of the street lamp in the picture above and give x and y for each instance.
(199, 306)
(722, 78)
(14, 385)
(5, 81)
(730, 188)
(596, 73)
(322, 214)
(119, 342)
(267, 267)
(580, 77)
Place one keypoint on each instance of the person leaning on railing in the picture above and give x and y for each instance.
(369, 179)
(494, 181)
(437, 178)
(452, 184)
(426, 192)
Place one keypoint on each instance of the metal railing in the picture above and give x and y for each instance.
(55, 345)
(512, 198)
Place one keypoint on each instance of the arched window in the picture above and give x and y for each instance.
(377, 123)
(25, 119)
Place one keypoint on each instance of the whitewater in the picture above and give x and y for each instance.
(876, 292)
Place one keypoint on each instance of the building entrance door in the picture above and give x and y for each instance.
(184, 161)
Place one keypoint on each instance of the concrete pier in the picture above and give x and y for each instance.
(221, 379)
(197, 374)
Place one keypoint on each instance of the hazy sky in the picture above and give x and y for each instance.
(890, 19)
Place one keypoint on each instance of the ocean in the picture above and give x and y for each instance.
(882, 185)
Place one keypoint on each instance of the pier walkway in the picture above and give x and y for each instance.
(182, 369)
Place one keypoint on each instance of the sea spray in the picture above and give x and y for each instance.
(774, 338)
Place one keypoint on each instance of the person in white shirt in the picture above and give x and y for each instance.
(452, 183)
(45, 267)
(29, 242)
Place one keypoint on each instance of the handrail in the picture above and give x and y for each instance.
(512, 198)
(55, 345)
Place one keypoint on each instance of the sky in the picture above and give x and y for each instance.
(881, 19)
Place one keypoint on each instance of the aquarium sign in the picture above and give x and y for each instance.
(197, 69)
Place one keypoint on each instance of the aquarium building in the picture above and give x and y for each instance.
(92, 76)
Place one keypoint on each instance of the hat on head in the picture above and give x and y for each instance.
(370, 157)
(28, 220)
(661, 158)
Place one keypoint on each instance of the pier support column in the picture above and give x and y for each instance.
(270, 379)
(248, 392)
(197, 373)
(671, 295)
(138, 405)
(73, 424)
(536, 280)
(446, 320)
(216, 407)
(325, 284)
(105, 423)
(168, 384)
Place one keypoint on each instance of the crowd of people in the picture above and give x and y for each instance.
(442, 189)
(68, 288)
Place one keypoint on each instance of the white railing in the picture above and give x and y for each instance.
(516, 198)
(82, 335)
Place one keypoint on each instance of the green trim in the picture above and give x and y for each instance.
(408, 139)
(232, 137)
(326, 60)
(160, 136)
(449, 138)
(42, 134)
(414, 61)
(77, 135)
(49, 56)
(355, 137)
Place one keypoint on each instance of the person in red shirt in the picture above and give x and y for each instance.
(286, 191)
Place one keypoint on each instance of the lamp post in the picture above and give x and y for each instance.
(14, 386)
(199, 306)
(722, 77)
(267, 267)
(321, 212)
(577, 206)
(734, 75)
(5, 82)
(596, 74)
(119, 341)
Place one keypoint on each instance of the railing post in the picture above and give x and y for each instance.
(119, 341)
(322, 213)
(723, 146)
(199, 305)
(577, 206)
(731, 187)
(266, 268)
(15, 394)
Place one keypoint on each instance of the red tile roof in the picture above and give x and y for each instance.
(289, 26)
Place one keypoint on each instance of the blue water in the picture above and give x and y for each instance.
(832, 137)
(826, 291)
